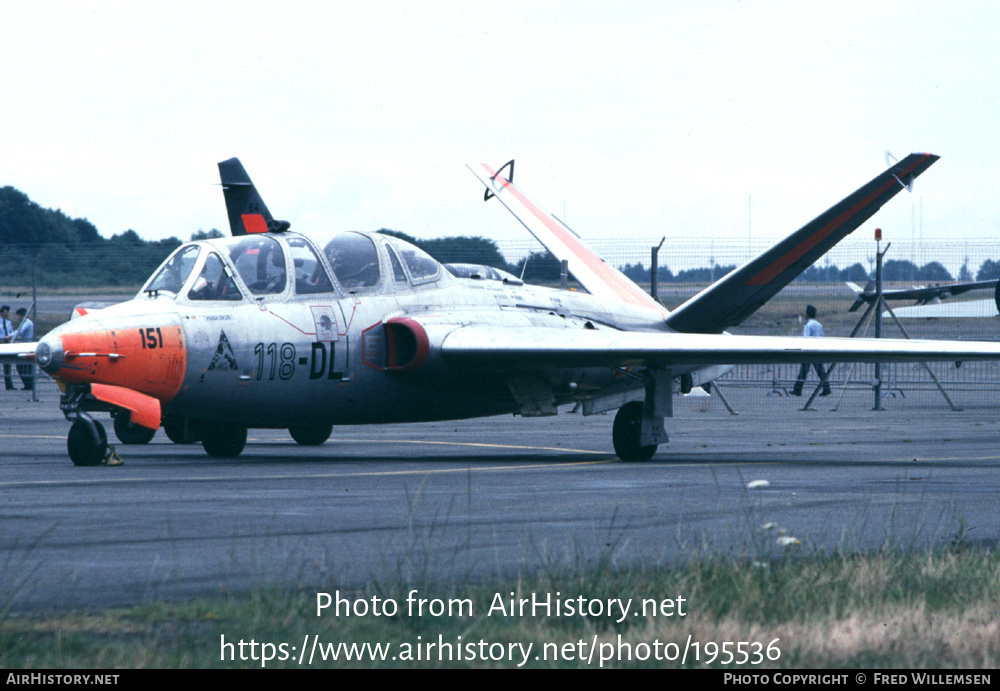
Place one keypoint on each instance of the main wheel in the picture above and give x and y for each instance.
(626, 431)
(129, 433)
(224, 440)
(311, 436)
(83, 448)
(181, 430)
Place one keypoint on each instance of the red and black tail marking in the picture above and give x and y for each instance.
(247, 211)
(729, 301)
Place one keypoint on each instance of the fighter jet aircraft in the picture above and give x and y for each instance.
(481, 272)
(275, 329)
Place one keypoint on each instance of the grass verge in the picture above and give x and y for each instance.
(891, 609)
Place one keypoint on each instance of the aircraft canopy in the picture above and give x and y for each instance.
(278, 264)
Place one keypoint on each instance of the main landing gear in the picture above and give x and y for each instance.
(182, 430)
(638, 428)
(626, 434)
(224, 439)
(311, 436)
(129, 433)
(219, 439)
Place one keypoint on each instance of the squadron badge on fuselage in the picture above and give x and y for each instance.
(224, 358)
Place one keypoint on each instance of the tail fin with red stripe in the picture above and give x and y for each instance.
(730, 300)
(247, 211)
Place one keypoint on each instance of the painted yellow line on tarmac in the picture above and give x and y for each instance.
(473, 444)
(307, 476)
(377, 441)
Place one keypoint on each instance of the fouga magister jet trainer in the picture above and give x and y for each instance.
(274, 329)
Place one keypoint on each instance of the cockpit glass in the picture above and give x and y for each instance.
(173, 274)
(214, 282)
(310, 276)
(354, 260)
(423, 267)
(397, 268)
(261, 264)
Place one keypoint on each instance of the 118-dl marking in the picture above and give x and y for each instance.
(279, 360)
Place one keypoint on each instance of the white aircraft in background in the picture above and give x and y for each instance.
(275, 329)
(929, 300)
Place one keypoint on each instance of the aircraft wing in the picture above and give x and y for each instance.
(924, 295)
(959, 288)
(535, 348)
(730, 300)
(594, 274)
(966, 309)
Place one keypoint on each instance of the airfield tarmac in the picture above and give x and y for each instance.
(479, 499)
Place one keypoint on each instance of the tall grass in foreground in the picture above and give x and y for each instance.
(889, 610)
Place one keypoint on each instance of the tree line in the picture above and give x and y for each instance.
(70, 251)
(892, 270)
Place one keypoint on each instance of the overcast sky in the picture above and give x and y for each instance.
(720, 120)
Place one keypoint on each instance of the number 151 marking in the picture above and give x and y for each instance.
(151, 337)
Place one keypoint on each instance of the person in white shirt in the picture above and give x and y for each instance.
(6, 333)
(24, 333)
(812, 329)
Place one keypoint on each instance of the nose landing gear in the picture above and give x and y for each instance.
(87, 442)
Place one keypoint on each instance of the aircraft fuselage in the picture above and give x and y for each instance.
(285, 359)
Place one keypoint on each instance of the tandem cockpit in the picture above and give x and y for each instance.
(287, 265)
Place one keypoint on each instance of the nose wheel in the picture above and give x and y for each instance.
(87, 442)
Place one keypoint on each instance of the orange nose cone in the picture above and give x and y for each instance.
(150, 360)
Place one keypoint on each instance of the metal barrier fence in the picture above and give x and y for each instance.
(899, 382)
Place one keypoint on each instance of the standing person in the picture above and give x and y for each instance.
(6, 333)
(812, 329)
(24, 333)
